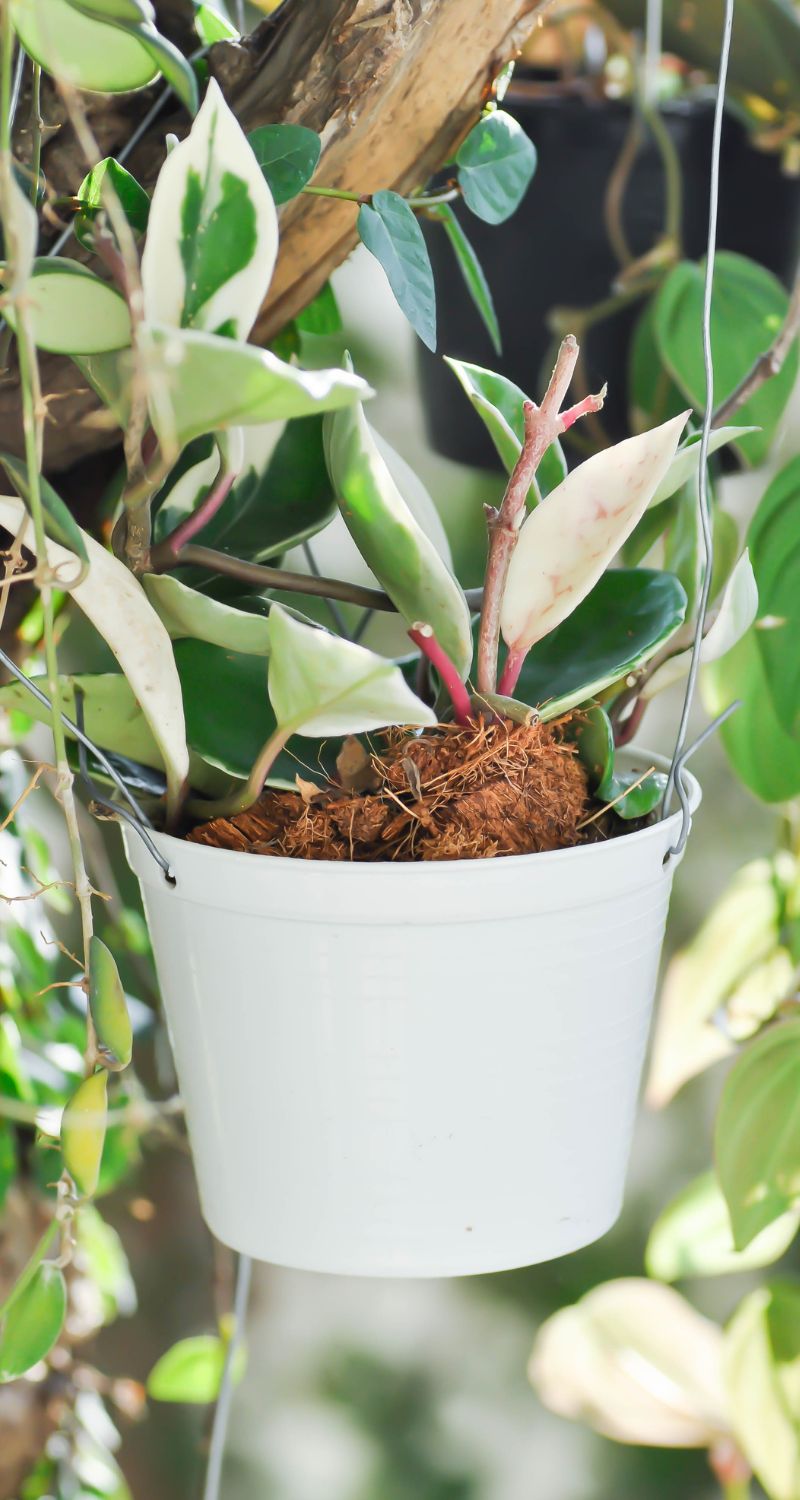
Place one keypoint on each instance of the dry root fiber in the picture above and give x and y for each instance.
(448, 794)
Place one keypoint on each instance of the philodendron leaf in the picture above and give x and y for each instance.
(735, 614)
(500, 405)
(212, 239)
(761, 1354)
(201, 382)
(108, 1008)
(774, 540)
(628, 616)
(185, 612)
(389, 229)
(288, 157)
(748, 307)
(733, 950)
(686, 462)
(133, 199)
(568, 541)
(757, 1136)
(322, 685)
(594, 737)
(637, 1363)
(83, 1132)
(81, 49)
(33, 1322)
(471, 270)
(118, 608)
(389, 538)
(191, 1370)
(59, 523)
(71, 311)
(693, 1236)
(495, 165)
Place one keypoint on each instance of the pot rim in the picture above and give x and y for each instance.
(471, 868)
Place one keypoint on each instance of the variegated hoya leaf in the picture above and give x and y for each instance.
(735, 614)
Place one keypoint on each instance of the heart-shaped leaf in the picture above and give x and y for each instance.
(390, 540)
(191, 1370)
(693, 1236)
(500, 405)
(71, 311)
(118, 608)
(389, 229)
(495, 165)
(288, 157)
(33, 1322)
(108, 1007)
(762, 1348)
(80, 48)
(735, 614)
(757, 1136)
(471, 270)
(200, 382)
(212, 239)
(627, 617)
(322, 685)
(568, 541)
(83, 1132)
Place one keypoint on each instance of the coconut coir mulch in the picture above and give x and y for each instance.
(491, 789)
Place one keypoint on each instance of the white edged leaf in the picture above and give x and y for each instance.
(686, 462)
(185, 612)
(693, 1236)
(200, 382)
(322, 685)
(212, 236)
(635, 1362)
(71, 311)
(416, 497)
(568, 541)
(735, 614)
(81, 49)
(118, 608)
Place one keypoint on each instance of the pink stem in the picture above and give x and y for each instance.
(511, 671)
(583, 408)
(423, 636)
(200, 517)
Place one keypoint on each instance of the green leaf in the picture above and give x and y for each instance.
(108, 1008)
(321, 316)
(568, 541)
(594, 738)
(185, 612)
(229, 726)
(322, 685)
(390, 540)
(390, 231)
(110, 377)
(757, 1136)
(80, 49)
(762, 1350)
(500, 405)
(33, 1322)
(288, 157)
(471, 270)
(9, 1165)
(133, 199)
(774, 541)
(626, 618)
(495, 165)
(211, 26)
(212, 238)
(749, 307)
(762, 754)
(686, 462)
(175, 69)
(83, 1131)
(653, 395)
(734, 616)
(102, 1254)
(58, 521)
(693, 1236)
(71, 311)
(192, 1369)
(200, 382)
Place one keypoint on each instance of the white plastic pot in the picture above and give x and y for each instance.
(410, 1069)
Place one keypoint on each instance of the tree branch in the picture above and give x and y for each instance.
(768, 364)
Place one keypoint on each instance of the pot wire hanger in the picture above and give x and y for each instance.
(138, 820)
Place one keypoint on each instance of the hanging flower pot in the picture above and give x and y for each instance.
(410, 1069)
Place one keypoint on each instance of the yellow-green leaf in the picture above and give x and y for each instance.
(33, 1322)
(192, 1369)
(757, 1138)
(108, 1009)
(83, 1132)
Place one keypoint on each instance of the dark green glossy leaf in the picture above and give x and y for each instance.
(774, 542)
(763, 755)
(33, 1322)
(471, 270)
(59, 523)
(757, 1135)
(594, 737)
(321, 316)
(288, 157)
(228, 715)
(389, 229)
(500, 405)
(108, 1007)
(622, 622)
(749, 307)
(495, 165)
(133, 200)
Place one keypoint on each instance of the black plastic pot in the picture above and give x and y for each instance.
(555, 251)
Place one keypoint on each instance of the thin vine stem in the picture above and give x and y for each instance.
(37, 127)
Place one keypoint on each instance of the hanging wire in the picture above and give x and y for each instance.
(222, 1412)
(675, 779)
(653, 48)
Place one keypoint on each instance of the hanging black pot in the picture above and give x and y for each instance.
(555, 251)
